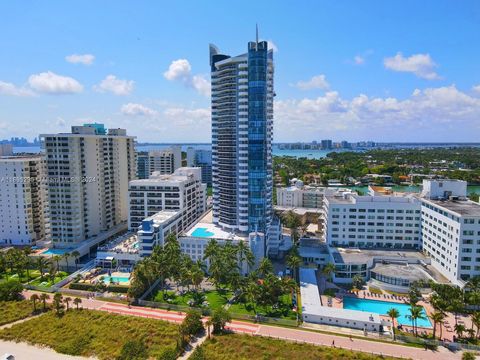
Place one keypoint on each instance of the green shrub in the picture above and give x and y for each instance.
(198, 354)
(192, 324)
(133, 350)
(467, 355)
(10, 290)
(168, 354)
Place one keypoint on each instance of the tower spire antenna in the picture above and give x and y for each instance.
(256, 25)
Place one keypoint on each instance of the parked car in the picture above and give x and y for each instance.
(8, 357)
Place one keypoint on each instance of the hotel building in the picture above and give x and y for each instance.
(181, 191)
(378, 221)
(88, 171)
(451, 229)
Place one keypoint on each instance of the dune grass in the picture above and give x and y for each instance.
(246, 347)
(94, 333)
(11, 311)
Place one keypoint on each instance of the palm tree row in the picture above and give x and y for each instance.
(20, 262)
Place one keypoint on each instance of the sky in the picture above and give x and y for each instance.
(387, 71)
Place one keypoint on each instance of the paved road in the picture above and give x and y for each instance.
(296, 335)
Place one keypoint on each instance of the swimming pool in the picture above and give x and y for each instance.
(202, 232)
(120, 279)
(56, 251)
(382, 307)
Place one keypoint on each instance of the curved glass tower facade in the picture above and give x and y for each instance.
(242, 124)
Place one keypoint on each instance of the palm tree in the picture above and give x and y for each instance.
(76, 255)
(245, 254)
(67, 301)
(34, 299)
(476, 321)
(66, 256)
(265, 267)
(77, 301)
(293, 222)
(394, 314)
(416, 312)
(328, 270)
(437, 318)
(57, 259)
(251, 293)
(459, 329)
(294, 262)
(57, 302)
(42, 263)
(44, 297)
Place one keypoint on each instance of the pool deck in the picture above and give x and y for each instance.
(447, 327)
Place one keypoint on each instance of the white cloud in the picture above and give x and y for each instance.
(60, 121)
(432, 114)
(359, 60)
(201, 84)
(178, 70)
(85, 59)
(181, 70)
(114, 85)
(12, 90)
(316, 82)
(422, 65)
(132, 109)
(476, 88)
(51, 83)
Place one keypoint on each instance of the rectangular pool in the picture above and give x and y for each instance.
(56, 251)
(382, 307)
(120, 279)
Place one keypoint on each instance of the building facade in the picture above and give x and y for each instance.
(451, 229)
(88, 171)
(203, 159)
(242, 124)
(181, 191)
(164, 161)
(6, 149)
(304, 196)
(368, 221)
(23, 203)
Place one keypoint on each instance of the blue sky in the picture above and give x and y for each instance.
(354, 70)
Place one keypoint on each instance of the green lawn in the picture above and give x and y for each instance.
(215, 298)
(247, 347)
(11, 311)
(46, 282)
(94, 333)
(284, 311)
(23, 278)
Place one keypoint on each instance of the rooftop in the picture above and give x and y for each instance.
(411, 272)
(127, 243)
(205, 228)
(355, 255)
(460, 207)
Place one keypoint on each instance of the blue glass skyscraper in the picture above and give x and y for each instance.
(242, 125)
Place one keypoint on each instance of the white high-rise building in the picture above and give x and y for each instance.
(451, 229)
(88, 171)
(6, 149)
(203, 159)
(242, 131)
(380, 221)
(181, 191)
(23, 205)
(164, 161)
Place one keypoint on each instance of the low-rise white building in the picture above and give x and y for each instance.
(300, 195)
(23, 203)
(314, 312)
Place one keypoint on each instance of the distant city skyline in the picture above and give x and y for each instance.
(398, 71)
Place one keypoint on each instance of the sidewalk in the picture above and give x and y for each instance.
(295, 335)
